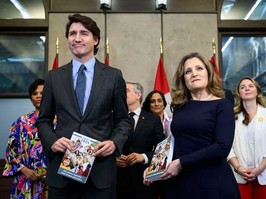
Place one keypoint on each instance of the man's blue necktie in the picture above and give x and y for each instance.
(80, 87)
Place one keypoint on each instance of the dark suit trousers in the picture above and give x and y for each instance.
(75, 190)
(127, 189)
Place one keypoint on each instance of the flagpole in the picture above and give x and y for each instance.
(107, 46)
(57, 46)
(105, 30)
(106, 60)
(161, 82)
(213, 46)
(213, 58)
(161, 39)
(161, 46)
(57, 50)
(105, 7)
(55, 63)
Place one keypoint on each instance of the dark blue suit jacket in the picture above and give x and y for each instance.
(105, 118)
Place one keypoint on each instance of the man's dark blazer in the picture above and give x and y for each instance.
(229, 95)
(105, 118)
(148, 132)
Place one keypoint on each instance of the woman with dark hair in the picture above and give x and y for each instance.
(248, 153)
(25, 159)
(155, 103)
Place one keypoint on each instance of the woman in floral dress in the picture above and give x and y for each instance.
(25, 158)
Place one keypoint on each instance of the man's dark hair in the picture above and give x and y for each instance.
(88, 23)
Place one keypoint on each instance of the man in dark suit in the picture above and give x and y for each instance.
(229, 95)
(138, 150)
(102, 114)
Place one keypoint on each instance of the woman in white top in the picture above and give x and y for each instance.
(155, 102)
(248, 153)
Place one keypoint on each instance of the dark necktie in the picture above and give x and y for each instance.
(131, 116)
(80, 87)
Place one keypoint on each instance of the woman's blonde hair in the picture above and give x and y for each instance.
(181, 94)
(239, 102)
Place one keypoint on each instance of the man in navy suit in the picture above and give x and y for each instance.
(102, 115)
(138, 150)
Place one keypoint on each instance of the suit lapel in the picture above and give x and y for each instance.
(98, 79)
(67, 79)
(139, 125)
(133, 134)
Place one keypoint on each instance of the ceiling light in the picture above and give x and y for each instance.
(105, 4)
(161, 4)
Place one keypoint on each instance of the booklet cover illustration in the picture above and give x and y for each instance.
(162, 156)
(77, 164)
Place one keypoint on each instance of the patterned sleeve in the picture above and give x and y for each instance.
(14, 150)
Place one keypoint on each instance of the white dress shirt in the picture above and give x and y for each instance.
(136, 118)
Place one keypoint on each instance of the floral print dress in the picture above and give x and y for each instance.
(24, 149)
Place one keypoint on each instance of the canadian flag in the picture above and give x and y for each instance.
(55, 64)
(161, 84)
(106, 61)
(107, 46)
(213, 60)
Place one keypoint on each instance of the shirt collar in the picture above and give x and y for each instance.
(89, 65)
(137, 111)
(166, 116)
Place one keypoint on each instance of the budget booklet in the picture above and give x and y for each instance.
(162, 156)
(77, 164)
